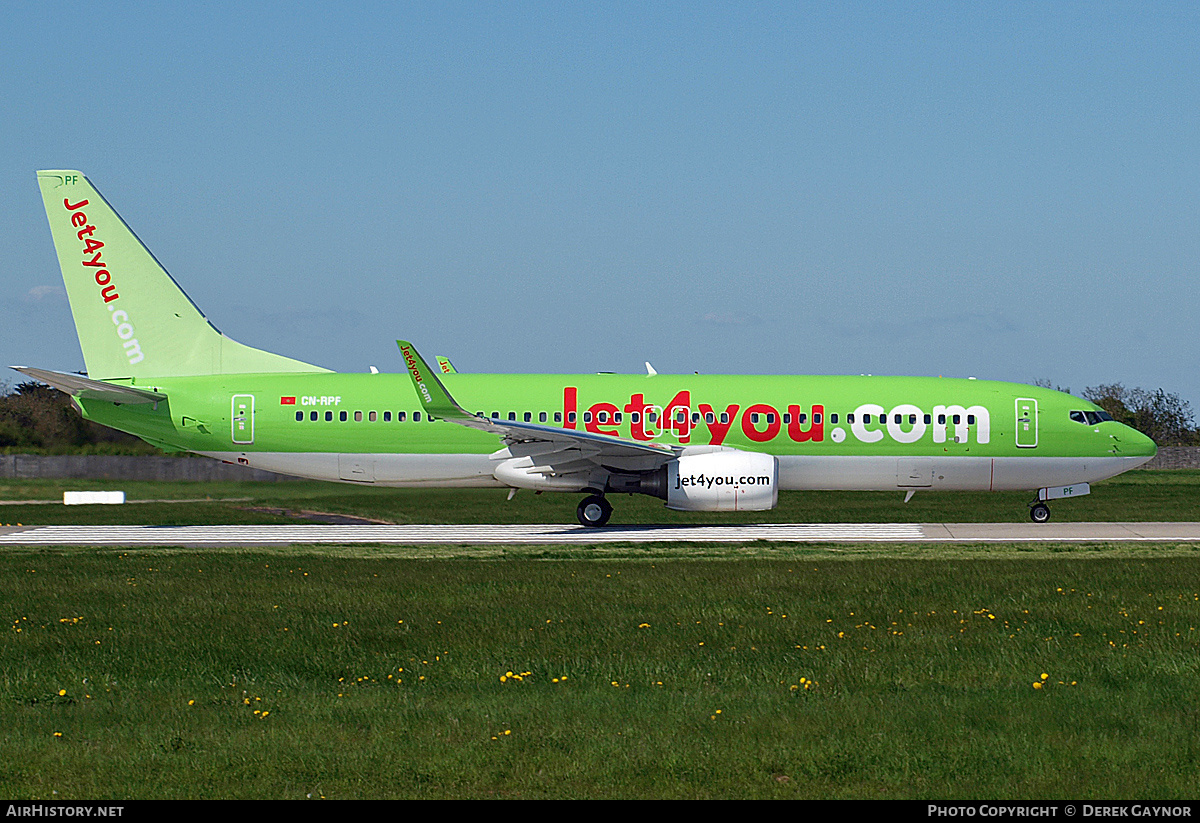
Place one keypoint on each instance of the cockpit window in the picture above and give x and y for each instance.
(1090, 418)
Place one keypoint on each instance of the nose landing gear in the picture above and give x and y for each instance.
(1039, 512)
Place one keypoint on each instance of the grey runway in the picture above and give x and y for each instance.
(215, 536)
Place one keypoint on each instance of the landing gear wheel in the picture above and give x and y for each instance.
(594, 511)
(1039, 513)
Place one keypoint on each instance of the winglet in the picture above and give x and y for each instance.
(445, 365)
(438, 402)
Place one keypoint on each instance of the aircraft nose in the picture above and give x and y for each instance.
(1136, 444)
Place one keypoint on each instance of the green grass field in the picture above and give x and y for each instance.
(763, 671)
(1136, 496)
(141, 675)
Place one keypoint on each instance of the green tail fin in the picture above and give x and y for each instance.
(132, 318)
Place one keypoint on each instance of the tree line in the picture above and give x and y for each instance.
(35, 418)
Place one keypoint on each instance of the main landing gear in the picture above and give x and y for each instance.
(594, 511)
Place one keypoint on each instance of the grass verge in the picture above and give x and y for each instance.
(1135, 496)
(250, 675)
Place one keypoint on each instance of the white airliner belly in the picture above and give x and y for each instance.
(958, 473)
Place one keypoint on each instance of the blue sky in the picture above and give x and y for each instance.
(1001, 190)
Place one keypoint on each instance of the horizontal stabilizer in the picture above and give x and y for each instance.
(77, 385)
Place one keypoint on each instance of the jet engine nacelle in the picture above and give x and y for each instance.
(725, 481)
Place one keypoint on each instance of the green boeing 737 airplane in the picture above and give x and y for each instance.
(157, 368)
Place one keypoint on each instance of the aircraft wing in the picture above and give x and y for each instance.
(594, 447)
(77, 385)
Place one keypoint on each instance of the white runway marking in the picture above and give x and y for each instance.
(533, 534)
(200, 536)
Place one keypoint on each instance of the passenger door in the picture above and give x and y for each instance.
(1027, 423)
(243, 419)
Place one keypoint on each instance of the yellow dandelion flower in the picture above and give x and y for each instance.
(1037, 684)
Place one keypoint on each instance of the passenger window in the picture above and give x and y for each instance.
(387, 417)
(358, 417)
(957, 419)
(512, 416)
(849, 418)
(528, 417)
(542, 417)
(342, 416)
(558, 417)
(372, 417)
(571, 417)
(312, 416)
(401, 416)
(299, 415)
(724, 417)
(587, 417)
(754, 418)
(328, 416)
(970, 420)
(416, 417)
(709, 417)
(928, 419)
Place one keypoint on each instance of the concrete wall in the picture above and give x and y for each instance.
(1175, 457)
(126, 467)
